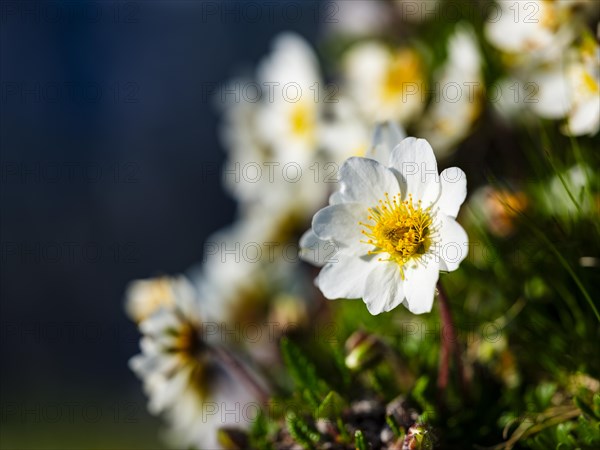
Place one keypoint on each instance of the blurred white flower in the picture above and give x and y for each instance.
(393, 229)
(274, 144)
(571, 89)
(289, 115)
(584, 80)
(144, 297)
(254, 280)
(458, 101)
(259, 178)
(531, 31)
(182, 379)
(387, 84)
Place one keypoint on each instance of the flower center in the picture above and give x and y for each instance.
(400, 229)
(302, 120)
(404, 68)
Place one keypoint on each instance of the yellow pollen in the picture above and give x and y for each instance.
(403, 69)
(302, 120)
(591, 85)
(401, 230)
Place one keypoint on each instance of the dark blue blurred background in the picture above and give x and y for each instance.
(109, 172)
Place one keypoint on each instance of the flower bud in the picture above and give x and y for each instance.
(363, 350)
(418, 437)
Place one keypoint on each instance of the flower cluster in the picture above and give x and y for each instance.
(324, 172)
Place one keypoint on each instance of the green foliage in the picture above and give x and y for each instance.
(331, 407)
(359, 441)
(301, 431)
(303, 372)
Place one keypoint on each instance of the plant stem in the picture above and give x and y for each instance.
(449, 345)
(241, 371)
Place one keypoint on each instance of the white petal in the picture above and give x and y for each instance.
(385, 288)
(453, 191)
(414, 160)
(387, 135)
(345, 278)
(420, 285)
(340, 223)
(454, 243)
(366, 181)
(316, 251)
(585, 118)
(336, 198)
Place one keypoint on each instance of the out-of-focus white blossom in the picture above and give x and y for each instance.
(289, 117)
(570, 89)
(144, 297)
(184, 382)
(533, 30)
(458, 101)
(386, 83)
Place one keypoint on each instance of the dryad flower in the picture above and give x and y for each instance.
(144, 297)
(391, 229)
(183, 380)
(534, 30)
(289, 116)
(388, 84)
(458, 102)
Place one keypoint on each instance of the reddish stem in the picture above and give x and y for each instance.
(237, 368)
(449, 345)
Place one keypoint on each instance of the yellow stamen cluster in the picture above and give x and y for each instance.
(302, 120)
(401, 229)
(403, 69)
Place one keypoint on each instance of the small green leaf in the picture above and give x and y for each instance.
(301, 431)
(585, 408)
(332, 407)
(303, 372)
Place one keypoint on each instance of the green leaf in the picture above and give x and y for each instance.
(301, 431)
(585, 408)
(332, 407)
(391, 421)
(303, 372)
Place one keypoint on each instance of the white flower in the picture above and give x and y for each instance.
(458, 101)
(271, 148)
(571, 89)
(183, 381)
(290, 113)
(531, 31)
(251, 279)
(392, 230)
(584, 79)
(144, 297)
(388, 84)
